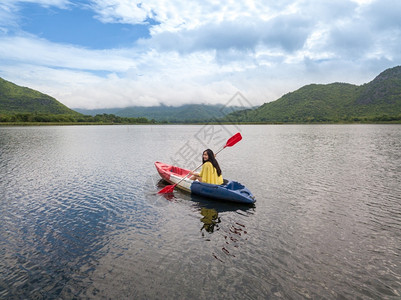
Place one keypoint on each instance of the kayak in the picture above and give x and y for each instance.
(228, 191)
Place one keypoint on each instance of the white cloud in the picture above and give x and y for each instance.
(122, 11)
(37, 51)
(206, 51)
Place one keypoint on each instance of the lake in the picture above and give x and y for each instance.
(81, 217)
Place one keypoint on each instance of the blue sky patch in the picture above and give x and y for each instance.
(79, 27)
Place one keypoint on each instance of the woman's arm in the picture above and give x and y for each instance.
(195, 176)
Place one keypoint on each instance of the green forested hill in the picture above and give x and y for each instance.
(384, 89)
(378, 100)
(16, 99)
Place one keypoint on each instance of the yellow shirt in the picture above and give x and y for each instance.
(209, 174)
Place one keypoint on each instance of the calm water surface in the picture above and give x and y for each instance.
(81, 217)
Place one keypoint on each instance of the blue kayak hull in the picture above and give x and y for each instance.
(232, 191)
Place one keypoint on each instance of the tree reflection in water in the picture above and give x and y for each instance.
(210, 220)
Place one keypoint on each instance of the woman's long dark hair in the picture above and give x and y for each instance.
(213, 160)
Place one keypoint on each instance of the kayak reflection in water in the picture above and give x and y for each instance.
(210, 219)
(211, 172)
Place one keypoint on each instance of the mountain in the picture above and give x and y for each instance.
(100, 111)
(384, 89)
(164, 113)
(16, 99)
(378, 100)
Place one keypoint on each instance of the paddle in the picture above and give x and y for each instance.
(230, 142)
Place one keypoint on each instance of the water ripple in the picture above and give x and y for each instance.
(81, 217)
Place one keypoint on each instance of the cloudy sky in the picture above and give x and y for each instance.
(117, 53)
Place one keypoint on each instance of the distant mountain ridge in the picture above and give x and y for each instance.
(378, 100)
(17, 99)
(175, 114)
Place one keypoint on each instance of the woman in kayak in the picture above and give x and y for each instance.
(211, 172)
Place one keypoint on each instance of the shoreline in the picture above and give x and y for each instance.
(9, 124)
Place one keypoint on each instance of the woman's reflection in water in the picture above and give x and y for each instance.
(210, 220)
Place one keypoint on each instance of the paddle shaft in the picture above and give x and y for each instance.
(188, 174)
